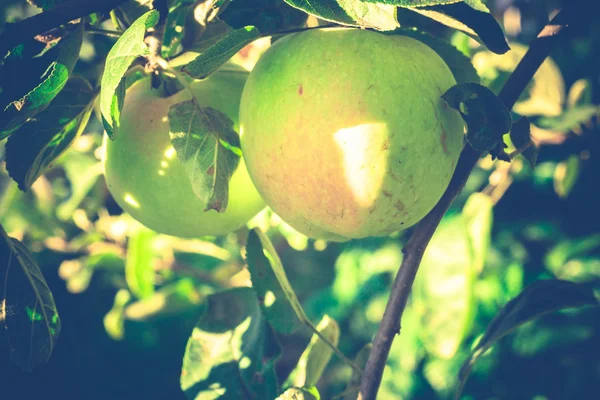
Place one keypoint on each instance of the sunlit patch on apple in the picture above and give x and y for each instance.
(170, 153)
(269, 298)
(129, 199)
(161, 172)
(365, 160)
(164, 164)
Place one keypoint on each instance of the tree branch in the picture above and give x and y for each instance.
(415, 247)
(21, 31)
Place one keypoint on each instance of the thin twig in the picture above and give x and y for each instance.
(26, 29)
(414, 249)
(104, 32)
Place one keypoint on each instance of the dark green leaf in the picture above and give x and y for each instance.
(216, 55)
(486, 116)
(129, 46)
(28, 82)
(520, 136)
(232, 351)
(459, 64)
(139, 268)
(273, 292)
(27, 310)
(537, 299)
(310, 393)
(214, 32)
(316, 356)
(350, 12)
(47, 4)
(33, 148)
(266, 15)
(475, 21)
(208, 146)
(131, 10)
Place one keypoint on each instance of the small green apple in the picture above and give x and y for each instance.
(345, 134)
(147, 179)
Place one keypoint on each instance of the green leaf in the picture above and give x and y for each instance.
(275, 294)
(139, 268)
(459, 64)
(537, 299)
(472, 18)
(29, 82)
(316, 356)
(114, 320)
(443, 292)
(478, 211)
(350, 12)
(360, 360)
(543, 95)
(172, 299)
(283, 282)
(216, 55)
(566, 250)
(476, 4)
(486, 116)
(294, 393)
(83, 172)
(566, 174)
(175, 27)
(129, 47)
(208, 147)
(570, 119)
(232, 351)
(32, 149)
(27, 310)
(78, 272)
(580, 93)
(520, 136)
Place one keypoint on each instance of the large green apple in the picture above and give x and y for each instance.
(147, 179)
(344, 132)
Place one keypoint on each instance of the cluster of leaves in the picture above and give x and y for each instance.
(243, 313)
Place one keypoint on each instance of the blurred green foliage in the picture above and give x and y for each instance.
(132, 298)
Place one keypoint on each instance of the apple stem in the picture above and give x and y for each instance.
(413, 251)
